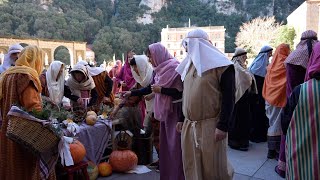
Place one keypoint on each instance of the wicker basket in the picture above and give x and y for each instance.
(31, 134)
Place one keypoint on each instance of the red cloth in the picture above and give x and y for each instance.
(126, 76)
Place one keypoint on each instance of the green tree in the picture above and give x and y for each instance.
(62, 54)
(286, 35)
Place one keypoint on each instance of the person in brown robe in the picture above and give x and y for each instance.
(20, 85)
(208, 102)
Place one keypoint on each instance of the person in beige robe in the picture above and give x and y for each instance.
(208, 101)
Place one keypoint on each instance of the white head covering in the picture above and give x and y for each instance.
(8, 62)
(145, 70)
(93, 71)
(55, 87)
(201, 53)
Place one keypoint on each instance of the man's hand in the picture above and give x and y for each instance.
(220, 135)
(126, 94)
(179, 127)
(156, 89)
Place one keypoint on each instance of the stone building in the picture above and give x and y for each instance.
(305, 17)
(171, 38)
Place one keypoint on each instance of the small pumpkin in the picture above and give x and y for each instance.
(123, 161)
(105, 169)
(78, 151)
(91, 113)
(91, 120)
(93, 170)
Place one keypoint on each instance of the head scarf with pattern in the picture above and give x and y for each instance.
(274, 88)
(30, 62)
(301, 54)
(260, 63)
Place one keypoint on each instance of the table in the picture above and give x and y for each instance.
(94, 138)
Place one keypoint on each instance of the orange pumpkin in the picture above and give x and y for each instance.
(77, 151)
(105, 169)
(123, 161)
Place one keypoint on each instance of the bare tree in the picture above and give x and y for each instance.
(257, 33)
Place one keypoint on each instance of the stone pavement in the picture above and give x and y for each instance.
(252, 164)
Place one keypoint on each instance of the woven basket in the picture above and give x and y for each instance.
(31, 134)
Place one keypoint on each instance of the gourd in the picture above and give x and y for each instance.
(105, 169)
(93, 170)
(78, 151)
(91, 120)
(123, 160)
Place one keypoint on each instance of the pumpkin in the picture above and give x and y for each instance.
(91, 120)
(123, 161)
(105, 169)
(91, 113)
(77, 151)
(92, 170)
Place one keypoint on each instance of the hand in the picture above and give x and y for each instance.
(126, 94)
(179, 126)
(156, 89)
(220, 135)
(113, 113)
(123, 84)
(106, 100)
(80, 102)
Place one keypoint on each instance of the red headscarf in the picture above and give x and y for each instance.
(126, 76)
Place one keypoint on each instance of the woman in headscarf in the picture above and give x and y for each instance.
(142, 72)
(20, 85)
(52, 82)
(80, 88)
(259, 122)
(114, 72)
(301, 125)
(167, 88)
(102, 82)
(274, 93)
(11, 57)
(125, 78)
(296, 64)
(238, 134)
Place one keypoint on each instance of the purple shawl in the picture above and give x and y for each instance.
(166, 76)
(314, 63)
(126, 76)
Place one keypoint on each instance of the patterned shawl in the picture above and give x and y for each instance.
(301, 54)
